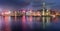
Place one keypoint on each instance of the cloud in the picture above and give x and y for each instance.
(19, 3)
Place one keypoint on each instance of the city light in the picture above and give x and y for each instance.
(32, 13)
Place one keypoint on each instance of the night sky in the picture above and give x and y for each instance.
(35, 4)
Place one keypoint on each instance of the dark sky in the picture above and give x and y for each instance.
(20, 3)
(36, 4)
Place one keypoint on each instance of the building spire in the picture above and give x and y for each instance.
(43, 7)
(43, 4)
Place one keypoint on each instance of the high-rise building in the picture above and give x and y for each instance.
(45, 11)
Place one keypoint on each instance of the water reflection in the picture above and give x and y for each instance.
(26, 23)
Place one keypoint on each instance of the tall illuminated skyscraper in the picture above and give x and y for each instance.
(45, 11)
(43, 8)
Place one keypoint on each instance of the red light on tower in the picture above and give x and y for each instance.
(23, 11)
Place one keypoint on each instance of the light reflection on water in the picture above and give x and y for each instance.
(28, 23)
